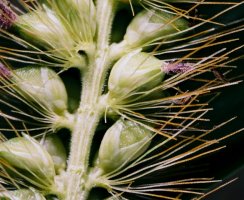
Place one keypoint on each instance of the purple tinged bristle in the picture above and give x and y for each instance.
(177, 68)
(4, 71)
(7, 16)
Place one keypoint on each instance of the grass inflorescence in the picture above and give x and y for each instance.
(134, 123)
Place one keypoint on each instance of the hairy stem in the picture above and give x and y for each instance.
(90, 111)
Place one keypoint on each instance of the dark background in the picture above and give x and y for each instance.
(229, 163)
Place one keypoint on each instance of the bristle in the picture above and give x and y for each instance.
(7, 15)
(4, 71)
(177, 68)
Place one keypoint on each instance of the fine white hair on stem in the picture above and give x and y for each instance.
(135, 95)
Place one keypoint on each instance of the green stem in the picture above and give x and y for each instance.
(90, 111)
(87, 118)
(64, 121)
(84, 130)
(105, 14)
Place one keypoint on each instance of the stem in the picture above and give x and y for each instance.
(65, 121)
(105, 15)
(89, 111)
(84, 130)
(87, 118)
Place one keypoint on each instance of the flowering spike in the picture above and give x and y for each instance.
(7, 16)
(133, 106)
